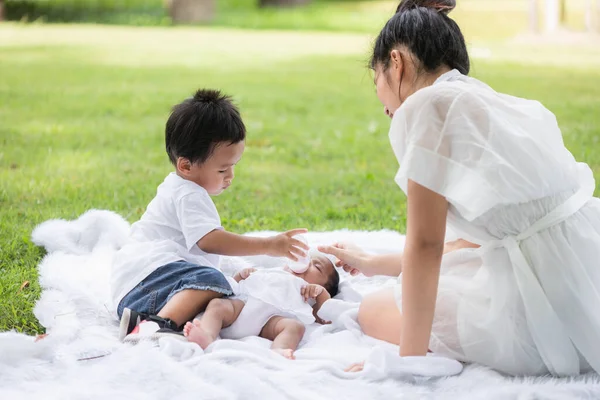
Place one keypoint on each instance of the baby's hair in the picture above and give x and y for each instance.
(200, 123)
(333, 283)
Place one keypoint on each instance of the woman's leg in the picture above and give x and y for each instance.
(219, 314)
(286, 334)
(379, 317)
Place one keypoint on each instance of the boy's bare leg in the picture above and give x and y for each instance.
(219, 314)
(186, 304)
(286, 334)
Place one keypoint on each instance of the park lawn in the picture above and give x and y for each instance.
(82, 112)
(479, 19)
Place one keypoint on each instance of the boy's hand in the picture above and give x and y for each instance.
(285, 245)
(311, 291)
(243, 274)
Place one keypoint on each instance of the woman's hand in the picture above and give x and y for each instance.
(351, 258)
(459, 244)
(285, 245)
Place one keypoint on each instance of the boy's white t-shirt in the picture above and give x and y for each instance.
(175, 220)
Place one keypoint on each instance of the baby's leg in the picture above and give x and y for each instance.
(220, 313)
(286, 334)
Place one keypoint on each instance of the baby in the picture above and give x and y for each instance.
(273, 304)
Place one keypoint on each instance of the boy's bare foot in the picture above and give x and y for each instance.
(287, 353)
(194, 333)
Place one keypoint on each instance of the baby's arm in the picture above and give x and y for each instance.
(320, 300)
(317, 292)
(243, 274)
(231, 244)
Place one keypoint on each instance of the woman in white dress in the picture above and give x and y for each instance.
(526, 299)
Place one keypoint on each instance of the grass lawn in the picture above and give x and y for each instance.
(82, 112)
(489, 19)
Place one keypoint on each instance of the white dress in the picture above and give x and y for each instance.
(268, 293)
(528, 301)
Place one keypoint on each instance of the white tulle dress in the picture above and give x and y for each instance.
(268, 293)
(528, 301)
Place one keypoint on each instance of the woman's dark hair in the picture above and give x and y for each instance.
(423, 26)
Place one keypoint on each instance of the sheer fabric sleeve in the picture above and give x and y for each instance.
(441, 139)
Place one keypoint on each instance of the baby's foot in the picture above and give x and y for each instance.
(287, 353)
(194, 333)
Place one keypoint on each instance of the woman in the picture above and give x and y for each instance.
(494, 167)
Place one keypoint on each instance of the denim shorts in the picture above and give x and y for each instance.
(153, 293)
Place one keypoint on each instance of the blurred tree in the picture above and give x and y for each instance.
(534, 17)
(552, 15)
(589, 19)
(283, 3)
(1, 10)
(191, 11)
(598, 15)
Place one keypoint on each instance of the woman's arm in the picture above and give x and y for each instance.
(386, 264)
(426, 230)
(355, 261)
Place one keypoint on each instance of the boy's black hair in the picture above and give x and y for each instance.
(333, 283)
(198, 124)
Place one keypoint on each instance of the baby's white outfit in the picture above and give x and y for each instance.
(268, 293)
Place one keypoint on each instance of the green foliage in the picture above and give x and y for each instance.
(480, 19)
(125, 12)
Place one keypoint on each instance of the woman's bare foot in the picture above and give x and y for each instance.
(194, 333)
(287, 353)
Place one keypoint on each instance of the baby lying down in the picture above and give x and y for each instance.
(274, 304)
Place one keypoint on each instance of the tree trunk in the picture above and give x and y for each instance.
(191, 11)
(598, 16)
(283, 3)
(552, 15)
(589, 19)
(534, 18)
(1, 10)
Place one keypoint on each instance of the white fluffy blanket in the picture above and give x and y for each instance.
(82, 358)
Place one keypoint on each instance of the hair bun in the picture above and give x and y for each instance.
(209, 96)
(441, 6)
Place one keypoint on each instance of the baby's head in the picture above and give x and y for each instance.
(321, 271)
(204, 138)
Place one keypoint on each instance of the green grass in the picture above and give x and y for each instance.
(481, 19)
(83, 109)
